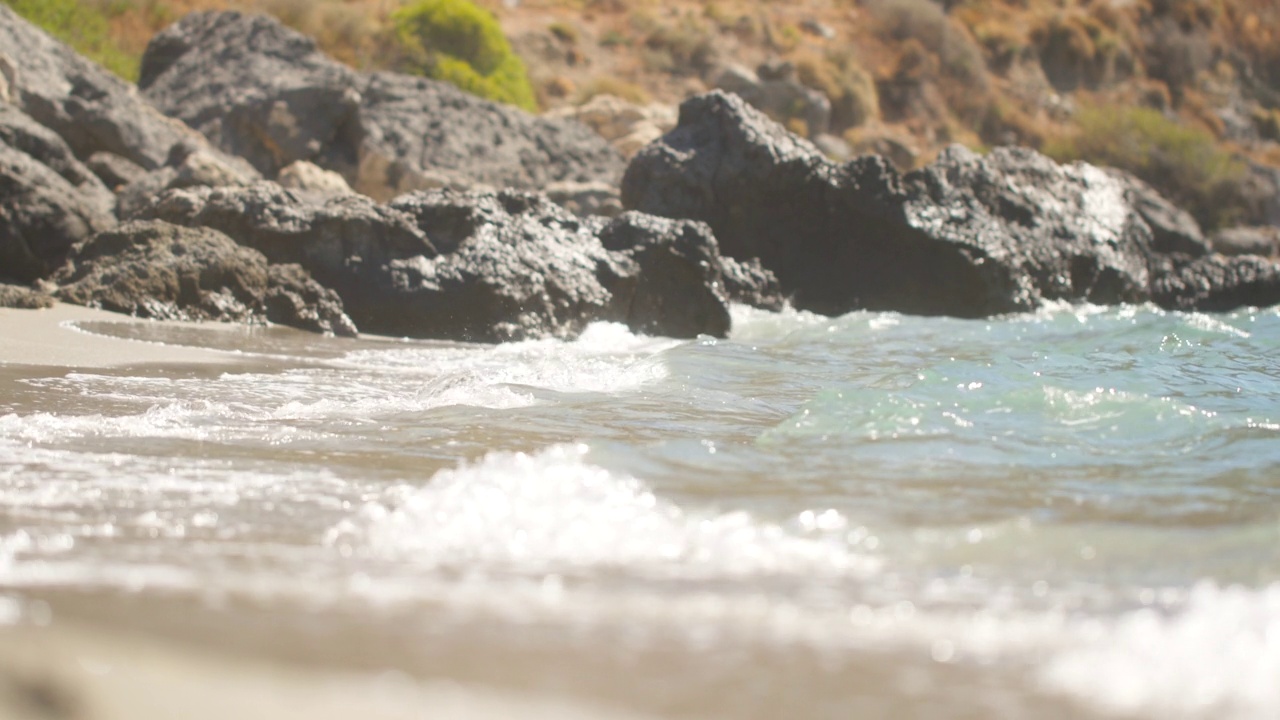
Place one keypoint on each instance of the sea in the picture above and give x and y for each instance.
(1073, 513)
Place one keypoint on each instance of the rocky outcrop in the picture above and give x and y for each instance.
(188, 166)
(42, 214)
(968, 235)
(1264, 241)
(158, 270)
(23, 298)
(266, 93)
(348, 243)
(88, 107)
(482, 267)
(1216, 283)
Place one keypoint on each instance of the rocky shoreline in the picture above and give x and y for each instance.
(250, 178)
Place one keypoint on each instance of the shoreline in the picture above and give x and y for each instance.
(49, 338)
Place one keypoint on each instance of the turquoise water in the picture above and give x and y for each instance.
(1073, 514)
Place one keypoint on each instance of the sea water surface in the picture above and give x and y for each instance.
(1074, 513)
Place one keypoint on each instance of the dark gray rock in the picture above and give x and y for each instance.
(1264, 241)
(498, 266)
(114, 171)
(347, 243)
(1173, 230)
(266, 93)
(678, 288)
(20, 132)
(24, 298)
(188, 166)
(968, 236)
(1216, 283)
(91, 109)
(295, 299)
(163, 271)
(42, 215)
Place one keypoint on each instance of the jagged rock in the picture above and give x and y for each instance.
(498, 266)
(114, 171)
(264, 92)
(42, 215)
(1173, 230)
(91, 109)
(23, 298)
(1263, 241)
(347, 243)
(20, 132)
(1216, 283)
(158, 270)
(294, 298)
(305, 176)
(775, 90)
(968, 236)
(678, 289)
(187, 167)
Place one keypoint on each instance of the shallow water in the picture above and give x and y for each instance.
(1072, 514)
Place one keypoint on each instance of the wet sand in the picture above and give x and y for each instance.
(70, 672)
(50, 338)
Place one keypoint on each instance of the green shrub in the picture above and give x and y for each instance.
(82, 25)
(460, 43)
(1182, 162)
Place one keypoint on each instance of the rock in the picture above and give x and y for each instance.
(1173, 230)
(747, 282)
(46, 147)
(266, 93)
(116, 172)
(895, 146)
(1217, 283)
(1264, 241)
(626, 125)
(295, 299)
(586, 198)
(23, 298)
(775, 90)
(158, 270)
(91, 109)
(347, 243)
(679, 288)
(42, 215)
(968, 236)
(305, 176)
(187, 167)
(498, 266)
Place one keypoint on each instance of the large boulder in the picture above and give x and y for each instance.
(484, 267)
(969, 235)
(348, 243)
(163, 271)
(91, 109)
(42, 214)
(266, 93)
(1216, 283)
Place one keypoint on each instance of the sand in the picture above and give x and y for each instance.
(50, 338)
(70, 672)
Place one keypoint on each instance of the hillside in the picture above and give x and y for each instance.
(1184, 93)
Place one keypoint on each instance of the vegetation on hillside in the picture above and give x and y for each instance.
(460, 43)
(85, 27)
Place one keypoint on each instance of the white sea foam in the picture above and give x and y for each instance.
(1218, 657)
(554, 511)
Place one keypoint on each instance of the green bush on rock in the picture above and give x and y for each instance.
(1184, 163)
(462, 44)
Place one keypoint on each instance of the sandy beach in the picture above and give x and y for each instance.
(52, 338)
